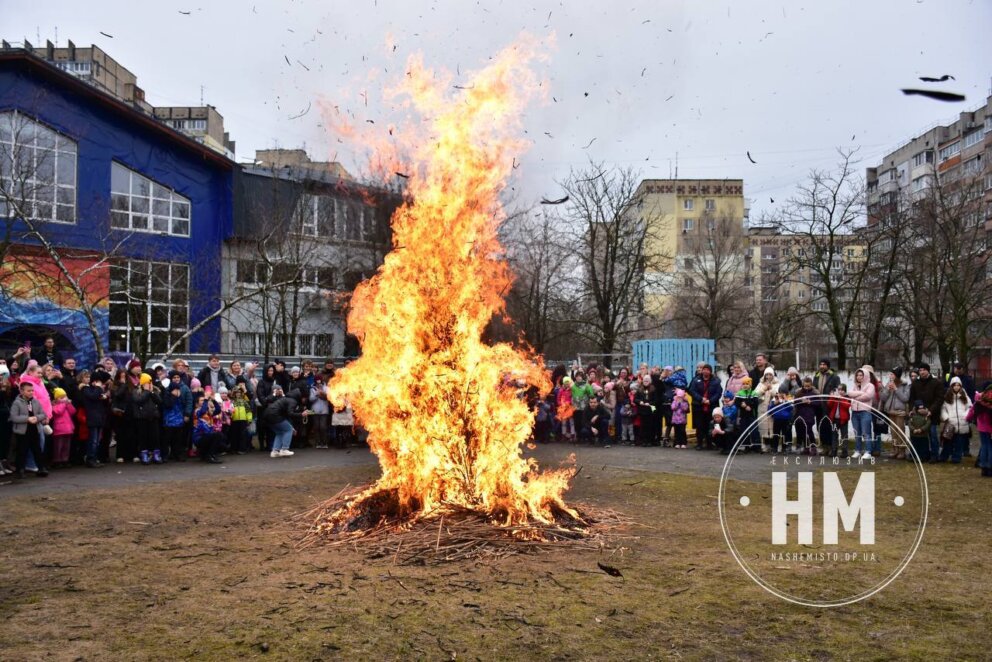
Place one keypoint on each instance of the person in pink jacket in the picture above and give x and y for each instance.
(862, 395)
(62, 427)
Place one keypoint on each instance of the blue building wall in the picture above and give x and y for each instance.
(106, 134)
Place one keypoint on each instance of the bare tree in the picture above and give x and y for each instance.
(616, 243)
(711, 297)
(826, 212)
(541, 262)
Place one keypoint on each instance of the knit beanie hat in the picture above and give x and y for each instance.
(59, 393)
(746, 381)
(132, 364)
(194, 384)
(897, 371)
(4, 370)
(718, 412)
(145, 379)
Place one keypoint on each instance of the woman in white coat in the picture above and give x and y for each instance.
(954, 412)
(766, 390)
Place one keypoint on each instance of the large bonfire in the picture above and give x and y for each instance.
(443, 408)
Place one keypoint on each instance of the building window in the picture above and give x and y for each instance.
(920, 184)
(149, 305)
(710, 204)
(711, 225)
(950, 150)
(37, 170)
(686, 224)
(76, 68)
(923, 158)
(138, 203)
(318, 215)
(972, 166)
(188, 124)
(251, 272)
(687, 204)
(974, 137)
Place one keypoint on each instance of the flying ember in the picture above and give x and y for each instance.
(441, 406)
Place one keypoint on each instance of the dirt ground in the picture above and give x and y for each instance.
(206, 570)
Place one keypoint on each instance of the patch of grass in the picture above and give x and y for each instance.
(208, 570)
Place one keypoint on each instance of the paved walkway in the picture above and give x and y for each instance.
(667, 460)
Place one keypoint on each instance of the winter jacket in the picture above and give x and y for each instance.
(145, 404)
(281, 409)
(766, 392)
(728, 428)
(931, 392)
(863, 396)
(790, 387)
(172, 407)
(919, 426)
(95, 406)
(746, 398)
(263, 392)
(782, 411)
(808, 411)
(735, 383)
(680, 408)
(40, 393)
(602, 415)
(318, 400)
(223, 377)
(62, 414)
(827, 382)
(983, 415)
(679, 380)
(581, 392)
(839, 410)
(705, 396)
(956, 412)
(22, 409)
(302, 386)
(664, 390)
(895, 401)
(241, 410)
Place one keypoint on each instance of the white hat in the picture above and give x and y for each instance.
(956, 380)
(718, 411)
(4, 370)
(165, 383)
(295, 368)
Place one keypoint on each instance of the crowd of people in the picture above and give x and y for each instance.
(55, 414)
(761, 410)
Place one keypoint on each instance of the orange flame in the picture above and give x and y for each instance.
(440, 405)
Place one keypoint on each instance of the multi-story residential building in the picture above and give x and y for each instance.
(678, 214)
(94, 66)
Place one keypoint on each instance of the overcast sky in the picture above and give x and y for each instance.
(708, 81)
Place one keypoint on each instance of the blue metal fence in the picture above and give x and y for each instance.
(685, 352)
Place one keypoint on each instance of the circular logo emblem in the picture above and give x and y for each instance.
(809, 508)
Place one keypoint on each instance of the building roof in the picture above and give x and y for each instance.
(48, 70)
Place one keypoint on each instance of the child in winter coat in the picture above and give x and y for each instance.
(839, 412)
(627, 422)
(919, 431)
(808, 412)
(566, 411)
(747, 402)
(542, 421)
(782, 414)
(680, 411)
(62, 428)
(955, 411)
(722, 431)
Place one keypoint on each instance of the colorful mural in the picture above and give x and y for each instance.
(36, 294)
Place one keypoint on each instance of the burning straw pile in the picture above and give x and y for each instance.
(457, 533)
(442, 407)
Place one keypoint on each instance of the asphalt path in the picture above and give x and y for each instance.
(667, 460)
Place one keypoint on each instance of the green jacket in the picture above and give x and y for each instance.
(581, 394)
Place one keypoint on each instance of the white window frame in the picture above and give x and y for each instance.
(688, 204)
(162, 204)
(710, 204)
(687, 224)
(50, 199)
(974, 137)
(148, 293)
(950, 151)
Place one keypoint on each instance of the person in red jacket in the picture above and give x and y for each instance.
(839, 411)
